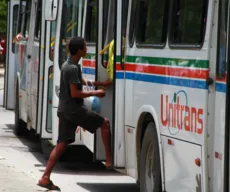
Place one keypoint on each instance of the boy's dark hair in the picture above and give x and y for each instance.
(75, 44)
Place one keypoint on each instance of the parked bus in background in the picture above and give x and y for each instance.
(30, 67)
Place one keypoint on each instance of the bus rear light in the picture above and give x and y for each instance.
(170, 142)
(50, 102)
(19, 95)
(197, 162)
(218, 155)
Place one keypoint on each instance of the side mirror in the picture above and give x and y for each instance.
(51, 8)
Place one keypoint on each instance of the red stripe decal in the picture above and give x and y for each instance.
(158, 70)
(89, 63)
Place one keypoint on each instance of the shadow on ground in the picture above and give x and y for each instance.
(109, 187)
(79, 164)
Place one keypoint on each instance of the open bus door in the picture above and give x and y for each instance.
(91, 67)
(107, 29)
(111, 31)
(10, 67)
(222, 101)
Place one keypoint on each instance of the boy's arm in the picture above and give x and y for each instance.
(76, 93)
(96, 83)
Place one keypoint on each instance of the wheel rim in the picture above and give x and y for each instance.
(150, 166)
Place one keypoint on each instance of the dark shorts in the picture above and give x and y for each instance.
(68, 123)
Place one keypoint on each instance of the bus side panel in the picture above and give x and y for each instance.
(34, 83)
(218, 153)
(182, 172)
(23, 68)
(41, 71)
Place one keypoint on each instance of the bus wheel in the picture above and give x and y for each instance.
(150, 169)
(19, 125)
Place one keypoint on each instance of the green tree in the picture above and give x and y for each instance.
(3, 12)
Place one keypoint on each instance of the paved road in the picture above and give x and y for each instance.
(24, 157)
(23, 164)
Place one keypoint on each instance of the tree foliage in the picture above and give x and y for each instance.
(3, 16)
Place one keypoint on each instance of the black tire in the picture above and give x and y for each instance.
(152, 173)
(19, 125)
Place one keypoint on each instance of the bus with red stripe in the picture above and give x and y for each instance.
(168, 103)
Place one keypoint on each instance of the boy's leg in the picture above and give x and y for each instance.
(106, 138)
(91, 122)
(54, 156)
(66, 135)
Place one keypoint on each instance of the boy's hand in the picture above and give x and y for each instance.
(99, 93)
(107, 83)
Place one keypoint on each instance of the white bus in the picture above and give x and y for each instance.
(30, 66)
(168, 105)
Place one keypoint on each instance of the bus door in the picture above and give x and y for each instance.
(45, 93)
(10, 67)
(89, 62)
(34, 58)
(111, 49)
(69, 24)
(221, 128)
(46, 34)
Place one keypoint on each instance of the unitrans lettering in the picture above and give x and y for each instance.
(180, 116)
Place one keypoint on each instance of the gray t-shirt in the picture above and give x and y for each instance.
(70, 74)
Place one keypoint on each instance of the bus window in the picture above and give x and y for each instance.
(52, 39)
(108, 28)
(152, 22)
(15, 20)
(70, 28)
(91, 22)
(222, 34)
(104, 31)
(26, 20)
(105, 19)
(125, 7)
(132, 23)
(187, 13)
(38, 21)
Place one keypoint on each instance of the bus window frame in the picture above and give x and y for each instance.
(164, 30)
(122, 63)
(38, 20)
(221, 76)
(50, 36)
(13, 45)
(25, 19)
(173, 45)
(104, 30)
(132, 21)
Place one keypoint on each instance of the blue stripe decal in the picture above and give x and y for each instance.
(120, 75)
(88, 71)
(167, 80)
(221, 87)
(199, 84)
